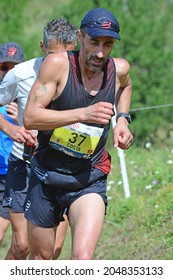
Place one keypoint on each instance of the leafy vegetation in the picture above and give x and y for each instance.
(140, 227)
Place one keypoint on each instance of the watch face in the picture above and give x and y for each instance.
(129, 118)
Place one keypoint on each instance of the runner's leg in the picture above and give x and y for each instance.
(41, 242)
(86, 216)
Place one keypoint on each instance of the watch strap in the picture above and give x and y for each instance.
(125, 115)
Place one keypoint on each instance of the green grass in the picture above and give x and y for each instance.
(139, 227)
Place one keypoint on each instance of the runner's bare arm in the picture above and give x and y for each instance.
(47, 87)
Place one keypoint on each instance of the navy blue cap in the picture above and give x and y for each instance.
(100, 22)
(11, 52)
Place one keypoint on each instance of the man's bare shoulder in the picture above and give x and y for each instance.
(55, 64)
(59, 57)
(122, 66)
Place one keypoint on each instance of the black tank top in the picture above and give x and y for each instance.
(74, 96)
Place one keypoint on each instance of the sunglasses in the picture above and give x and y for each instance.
(101, 23)
(5, 67)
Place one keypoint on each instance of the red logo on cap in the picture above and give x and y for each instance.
(106, 25)
(11, 51)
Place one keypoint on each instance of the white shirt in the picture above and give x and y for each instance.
(17, 84)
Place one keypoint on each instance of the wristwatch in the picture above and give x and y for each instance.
(125, 115)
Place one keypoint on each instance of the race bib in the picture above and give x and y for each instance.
(77, 140)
